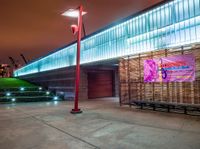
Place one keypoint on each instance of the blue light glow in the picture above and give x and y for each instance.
(8, 94)
(47, 93)
(22, 88)
(13, 99)
(172, 24)
(55, 98)
(55, 102)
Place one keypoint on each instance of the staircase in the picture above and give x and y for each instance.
(27, 93)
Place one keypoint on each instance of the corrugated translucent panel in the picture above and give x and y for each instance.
(175, 23)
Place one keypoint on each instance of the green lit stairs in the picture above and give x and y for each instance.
(15, 90)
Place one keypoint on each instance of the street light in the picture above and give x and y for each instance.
(73, 13)
(76, 13)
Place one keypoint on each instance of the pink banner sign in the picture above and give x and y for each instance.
(180, 68)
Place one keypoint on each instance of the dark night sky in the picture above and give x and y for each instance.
(35, 27)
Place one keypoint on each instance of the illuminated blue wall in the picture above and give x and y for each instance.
(172, 24)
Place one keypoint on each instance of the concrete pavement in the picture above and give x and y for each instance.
(103, 124)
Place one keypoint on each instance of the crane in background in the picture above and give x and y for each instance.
(24, 59)
(14, 64)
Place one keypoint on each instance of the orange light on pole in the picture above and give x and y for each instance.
(76, 13)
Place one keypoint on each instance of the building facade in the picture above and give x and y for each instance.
(170, 24)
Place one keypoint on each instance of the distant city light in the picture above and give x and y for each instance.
(40, 88)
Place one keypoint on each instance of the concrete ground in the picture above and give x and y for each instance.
(103, 124)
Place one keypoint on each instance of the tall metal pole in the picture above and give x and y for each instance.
(76, 110)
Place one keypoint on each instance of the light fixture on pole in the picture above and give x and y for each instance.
(74, 13)
(76, 29)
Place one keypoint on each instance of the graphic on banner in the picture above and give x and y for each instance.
(180, 68)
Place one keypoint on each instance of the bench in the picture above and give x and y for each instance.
(166, 105)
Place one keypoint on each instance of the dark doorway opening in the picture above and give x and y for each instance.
(100, 84)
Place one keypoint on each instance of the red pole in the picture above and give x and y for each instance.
(76, 110)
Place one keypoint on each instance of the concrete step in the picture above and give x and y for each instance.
(24, 93)
(30, 94)
(28, 98)
(21, 89)
(16, 90)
